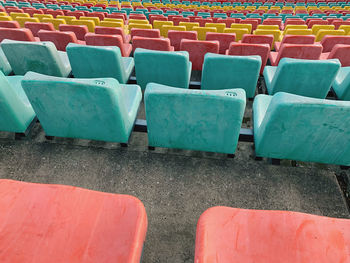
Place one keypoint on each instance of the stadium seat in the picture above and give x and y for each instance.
(339, 23)
(79, 31)
(311, 78)
(55, 21)
(276, 34)
(99, 62)
(157, 24)
(240, 32)
(312, 23)
(253, 22)
(176, 37)
(140, 32)
(293, 127)
(195, 115)
(109, 40)
(323, 32)
(36, 27)
(242, 235)
(197, 49)
(294, 27)
(4, 64)
(341, 52)
(341, 84)
(228, 72)
(9, 24)
(101, 30)
(41, 57)
(328, 42)
(311, 51)
(168, 68)
(60, 39)
(66, 18)
(228, 21)
(316, 28)
(224, 39)
(16, 112)
(164, 30)
(244, 26)
(295, 39)
(161, 44)
(60, 220)
(246, 49)
(134, 25)
(96, 20)
(64, 106)
(219, 26)
(202, 31)
(189, 25)
(202, 21)
(19, 34)
(90, 24)
(300, 32)
(257, 39)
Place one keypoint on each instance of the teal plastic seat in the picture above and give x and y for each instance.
(4, 64)
(311, 78)
(231, 72)
(95, 109)
(341, 84)
(194, 119)
(16, 111)
(163, 67)
(99, 62)
(41, 57)
(288, 126)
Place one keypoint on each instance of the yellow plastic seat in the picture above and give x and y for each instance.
(164, 30)
(202, 31)
(276, 34)
(346, 28)
(55, 21)
(66, 18)
(220, 27)
(142, 26)
(42, 16)
(95, 19)
(114, 20)
(22, 20)
(3, 14)
(89, 23)
(238, 31)
(138, 21)
(268, 27)
(14, 15)
(294, 27)
(158, 24)
(111, 24)
(189, 25)
(293, 31)
(246, 26)
(5, 18)
(323, 32)
(316, 28)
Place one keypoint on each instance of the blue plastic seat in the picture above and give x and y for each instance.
(99, 62)
(288, 126)
(194, 119)
(163, 67)
(41, 57)
(96, 109)
(5, 66)
(311, 78)
(231, 72)
(341, 84)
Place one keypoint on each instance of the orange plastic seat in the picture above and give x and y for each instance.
(104, 30)
(36, 27)
(109, 40)
(60, 39)
(58, 223)
(227, 234)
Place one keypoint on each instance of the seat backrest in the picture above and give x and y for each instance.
(102, 30)
(176, 37)
(317, 22)
(197, 50)
(161, 44)
(89, 23)
(78, 108)
(312, 78)
(41, 57)
(258, 39)
(36, 27)
(224, 39)
(253, 22)
(19, 34)
(316, 135)
(153, 33)
(337, 24)
(341, 52)
(168, 68)
(323, 32)
(328, 42)
(318, 27)
(103, 40)
(295, 39)
(9, 24)
(301, 51)
(79, 31)
(60, 39)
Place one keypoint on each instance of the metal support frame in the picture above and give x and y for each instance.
(20, 135)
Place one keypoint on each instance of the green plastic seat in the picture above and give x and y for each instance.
(311, 78)
(194, 119)
(4, 64)
(231, 72)
(341, 84)
(41, 57)
(16, 111)
(96, 109)
(288, 126)
(99, 62)
(163, 67)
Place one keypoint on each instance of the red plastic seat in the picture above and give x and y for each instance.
(257, 39)
(60, 39)
(273, 21)
(295, 39)
(203, 21)
(79, 30)
(176, 37)
(248, 49)
(137, 16)
(197, 50)
(141, 32)
(117, 16)
(225, 39)
(337, 24)
(192, 18)
(31, 12)
(227, 234)
(35, 27)
(9, 24)
(55, 13)
(109, 40)
(100, 15)
(316, 22)
(341, 52)
(161, 44)
(228, 21)
(77, 14)
(294, 21)
(172, 17)
(329, 41)
(20, 34)
(59, 223)
(152, 18)
(101, 30)
(296, 51)
(177, 20)
(253, 22)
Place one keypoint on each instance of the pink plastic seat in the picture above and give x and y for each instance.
(253, 22)
(341, 52)
(316, 22)
(337, 24)
(257, 39)
(20, 34)
(102, 30)
(78, 30)
(76, 14)
(225, 39)
(117, 16)
(31, 12)
(296, 51)
(297, 21)
(192, 18)
(203, 21)
(295, 39)
(160, 44)
(100, 15)
(197, 50)
(35, 27)
(273, 21)
(177, 20)
(9, 24)
(248, 49)
(60, 39)
(157, 17)
(141, 32)
(329, 41)
(176, 37)
(109, 40)
(55, 13)
(228, 21)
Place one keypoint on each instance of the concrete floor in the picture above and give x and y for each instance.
(175, 186)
